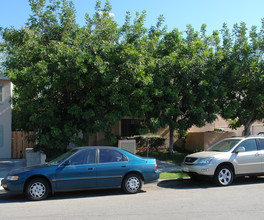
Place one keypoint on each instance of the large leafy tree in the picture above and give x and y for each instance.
(70, 79)
(242, 76)
(43, 60)
(184, 91)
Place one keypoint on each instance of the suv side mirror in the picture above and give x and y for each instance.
(240, 149)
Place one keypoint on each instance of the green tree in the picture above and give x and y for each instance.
(42, 61)
(184, 84)
(242, 76)
(72, 80)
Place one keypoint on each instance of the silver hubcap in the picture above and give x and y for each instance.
(133, 183)
(37, 190)
(224, 176)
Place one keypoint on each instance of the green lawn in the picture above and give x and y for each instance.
(173, 175)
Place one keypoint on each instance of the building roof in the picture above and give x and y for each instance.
(2, 77)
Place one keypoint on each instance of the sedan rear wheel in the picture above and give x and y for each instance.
(224, 175)
(37, 189)
(132, 183)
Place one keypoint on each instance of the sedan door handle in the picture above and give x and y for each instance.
(90, 168)
(123, 166)
(257, 154)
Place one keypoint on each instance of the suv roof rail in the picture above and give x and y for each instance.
(255, 135)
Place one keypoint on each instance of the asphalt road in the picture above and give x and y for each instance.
(171, 199)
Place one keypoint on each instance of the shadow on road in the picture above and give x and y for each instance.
(205, 183)
(20, 198)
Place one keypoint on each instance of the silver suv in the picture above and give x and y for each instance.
(231, 157)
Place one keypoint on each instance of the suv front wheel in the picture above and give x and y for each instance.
(224, 175)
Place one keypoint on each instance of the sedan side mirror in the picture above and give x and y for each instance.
(67, 163)
(240, 149)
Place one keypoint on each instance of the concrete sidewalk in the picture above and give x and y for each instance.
(6, 165)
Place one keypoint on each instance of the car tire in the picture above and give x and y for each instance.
(37, 189)
(224, 175)
(132, 183)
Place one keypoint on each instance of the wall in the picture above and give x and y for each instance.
(203, 140)
(5, 119)
(98, 139)
(221, 123)
(34, 158)
(196, 133)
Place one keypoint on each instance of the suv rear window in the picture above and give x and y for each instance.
(261, 144)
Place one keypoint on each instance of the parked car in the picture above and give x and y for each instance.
(83, 168)
(227, 159)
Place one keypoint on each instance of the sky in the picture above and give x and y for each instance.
(177, 13)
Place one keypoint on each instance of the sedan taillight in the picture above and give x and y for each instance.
(156, 165)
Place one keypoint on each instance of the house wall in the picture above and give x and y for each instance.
(203, 140)
(198, 138)
(221, 123)
(98, 139)
(5, 120)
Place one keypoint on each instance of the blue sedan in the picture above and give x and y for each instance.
(83, 168)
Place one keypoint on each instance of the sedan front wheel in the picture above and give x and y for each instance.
(37, 189)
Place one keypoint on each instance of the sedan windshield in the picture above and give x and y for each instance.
(62, 157)
(224, 146)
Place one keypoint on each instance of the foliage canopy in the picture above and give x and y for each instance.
(72, 81)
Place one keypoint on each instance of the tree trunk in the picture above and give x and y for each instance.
(171, 140)
(247, 127)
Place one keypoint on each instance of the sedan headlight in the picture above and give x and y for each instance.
(12, 178)
(205, 160)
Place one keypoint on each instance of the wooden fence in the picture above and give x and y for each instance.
(19, 144)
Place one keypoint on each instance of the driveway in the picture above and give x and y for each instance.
(168, 199)
(167, 167)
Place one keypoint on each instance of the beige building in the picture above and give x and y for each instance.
(222, 124)
(5, 117)
(202, 138)
(197, 139)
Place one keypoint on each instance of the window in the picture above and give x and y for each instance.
(224, 146)
(1, 93)
(83, 157)
(250, 145)
(261, 143)
(110, 156)
(129, 127)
